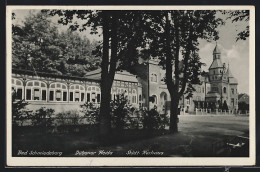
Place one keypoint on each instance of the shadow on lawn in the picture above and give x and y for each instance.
(29, 138)
(70, 139)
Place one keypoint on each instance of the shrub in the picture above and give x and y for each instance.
(19, 111)
(122, 113)
(43, 117)
(91, 112)
(70, 117)
(153, 120)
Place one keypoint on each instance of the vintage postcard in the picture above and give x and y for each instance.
(130, 86)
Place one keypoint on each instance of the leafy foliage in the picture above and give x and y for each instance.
(153, 120)
(42, 48)
(70, 117)
(121, 112)
(174, 39)
(19, 111)
(43, 117)
(91, 112)
(240, 16)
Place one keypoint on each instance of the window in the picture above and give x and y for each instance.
(36, 94)
(77, 92)
(93, 97)
(64, 96)
(17, 87)
(51, 95)
(203, 90)
(37, 90)
(140, 98)
(19, 94)
(88, 97)
(215, 89)
(232, 90)
(71, 96)
(58, 95)
(76, 96)
(59, 91)
(28, 94)
(224, 90)
(82, 97)
(93, 94)
(153, 77)
(98, 98)
(232, 102)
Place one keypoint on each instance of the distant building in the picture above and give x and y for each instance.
(243, 102)
(218, 85)
(222, 83)
(243, 98)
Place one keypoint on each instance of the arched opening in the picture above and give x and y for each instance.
(35, 91)
(17, 88)
(224, 90)
(93, 94)
(163, 102)
(58, 92)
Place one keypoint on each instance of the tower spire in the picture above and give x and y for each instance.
(216, 52)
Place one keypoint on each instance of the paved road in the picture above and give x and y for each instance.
(195, 138)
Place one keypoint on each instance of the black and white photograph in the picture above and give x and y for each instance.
(130, 85)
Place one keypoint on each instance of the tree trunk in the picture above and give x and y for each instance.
(105, 121)
(174, 115)
(105, 118)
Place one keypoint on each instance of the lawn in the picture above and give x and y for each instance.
(196, 137)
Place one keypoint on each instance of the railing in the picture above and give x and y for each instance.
(217, 112)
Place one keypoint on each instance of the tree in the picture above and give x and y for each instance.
(39, 46)
(239, 16)
(121, 36)
(77, 54)
(174, 39)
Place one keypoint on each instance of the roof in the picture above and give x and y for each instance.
(125, 76)
(232, 79)
(243, 98)
(45, 74)
(216, 50)
(95, 74)
(217, 63)
(119, 75)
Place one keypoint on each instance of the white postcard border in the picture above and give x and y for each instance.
(133, 161)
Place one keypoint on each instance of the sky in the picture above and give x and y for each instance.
(235, 53)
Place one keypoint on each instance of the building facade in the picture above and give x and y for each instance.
(145, 88)
(63, 93)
